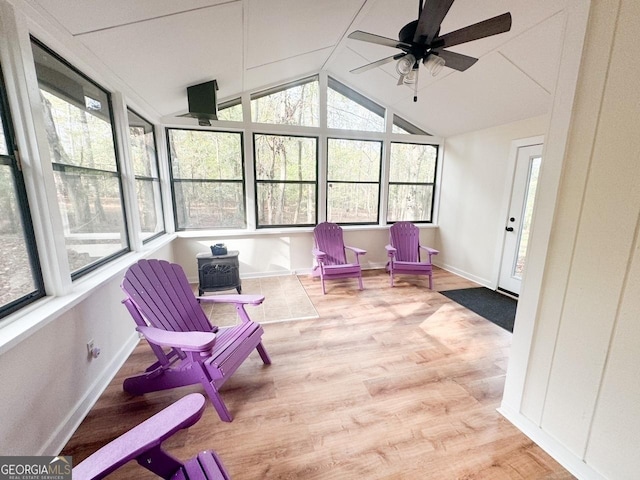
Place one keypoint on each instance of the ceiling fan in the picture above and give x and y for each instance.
(420, 40)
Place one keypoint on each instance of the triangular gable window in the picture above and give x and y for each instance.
(400, 125)
(349, 110)
(231, 111)
(296, 103)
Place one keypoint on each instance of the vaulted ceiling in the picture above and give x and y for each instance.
(159, 47)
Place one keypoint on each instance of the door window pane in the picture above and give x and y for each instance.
(527, 216)
(286, 169)
(353, 180)
(79, 125)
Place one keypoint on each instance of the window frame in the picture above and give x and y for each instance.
(12, 159)
(172, 179)
(296, 182)
(379, 182)
(137, 177)
(432, 184)
(76, 274)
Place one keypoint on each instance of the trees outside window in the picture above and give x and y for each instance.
(207, 176)
(353, 180)
(349, 110)
(286, 183)
(291, 104)
(20, 276)
(412, 176)
(79, 126)
(144, 156)
(231, 111)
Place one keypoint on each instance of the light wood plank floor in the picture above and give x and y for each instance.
(389, 383)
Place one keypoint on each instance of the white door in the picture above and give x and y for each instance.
(518, 223)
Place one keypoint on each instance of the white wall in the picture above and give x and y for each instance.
(283, 252)
(577, 389)
(476, 174)
(48, 383)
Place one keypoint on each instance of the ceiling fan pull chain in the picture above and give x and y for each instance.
(415, 87)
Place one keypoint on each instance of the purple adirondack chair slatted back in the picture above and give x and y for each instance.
(405, 238)
(161, 291)
(329, 239)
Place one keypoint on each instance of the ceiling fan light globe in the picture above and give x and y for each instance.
(411, 77)
(434, 64)
(405, 64)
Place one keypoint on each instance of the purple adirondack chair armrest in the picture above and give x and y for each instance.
(142, 438)
(319, 254)
(357, 251)
(391, 251)
(431, 251)
(241, 299)
(189, 341)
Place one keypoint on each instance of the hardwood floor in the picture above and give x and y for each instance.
(389, 383)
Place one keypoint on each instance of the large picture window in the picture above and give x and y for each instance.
(145, 167)
(286, 185)
(79, 126)
(20, 276)
(208, 179)
(412, 176)
(353, 180)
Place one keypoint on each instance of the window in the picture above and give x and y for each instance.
(400, 125)
(292, 104)
(285, 180)
(412, 176)
(207, 179)
(20, 276)
(79, 126)
(348, 110)
(353, 180)
(231, 111)
(145, 168)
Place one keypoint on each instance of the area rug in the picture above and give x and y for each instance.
(285, 300)
(493, 306)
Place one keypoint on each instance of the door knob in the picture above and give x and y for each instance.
(509, 229)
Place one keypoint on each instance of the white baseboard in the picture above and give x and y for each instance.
(574, 464)
(461, 273)
(63, 433)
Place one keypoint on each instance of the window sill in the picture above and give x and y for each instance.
(17, 327)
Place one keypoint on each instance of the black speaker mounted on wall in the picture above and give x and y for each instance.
(202, 102)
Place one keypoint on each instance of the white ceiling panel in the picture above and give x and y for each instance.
(306, 26)
(159, 47)
(490, 93)
(541, 64)
(160, 58)
(80, 16)
(285, 70)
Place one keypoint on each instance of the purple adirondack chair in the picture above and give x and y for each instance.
(168, 314)
(330, 253)
(144, 444)
(404, 252)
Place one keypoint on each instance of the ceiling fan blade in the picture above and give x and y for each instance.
(454, 60)
(431, 16)
(486, 28)
(371, 38)
(377, 63)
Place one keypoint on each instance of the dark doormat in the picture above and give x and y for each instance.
(493, 306)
